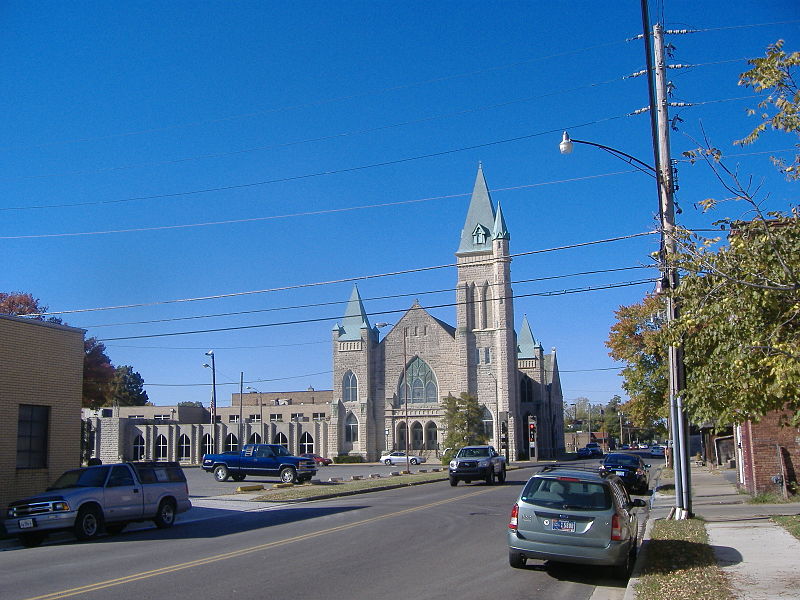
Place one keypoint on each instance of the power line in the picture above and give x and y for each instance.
(385, 312)
(334, 281)
(222, 383)
(386, 163)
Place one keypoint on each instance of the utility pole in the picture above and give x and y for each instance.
(241, 399)
(667, 206)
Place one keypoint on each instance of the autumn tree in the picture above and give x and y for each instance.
(126, 388)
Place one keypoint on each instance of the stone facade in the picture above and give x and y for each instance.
(41, 365)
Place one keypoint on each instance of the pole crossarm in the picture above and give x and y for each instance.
(624, 156)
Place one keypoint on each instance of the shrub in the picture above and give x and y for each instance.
(348, 458)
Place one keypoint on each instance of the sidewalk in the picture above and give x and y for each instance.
(759, 556)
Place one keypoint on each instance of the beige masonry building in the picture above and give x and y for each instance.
(41, 379)
(421, 359)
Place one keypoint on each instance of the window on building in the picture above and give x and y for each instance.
(422, 385)
(161, 417)
(208, 444)
(231, 443)
(255, 439)
(488, 424)
(296, 417)
(233, 418)
(526, 389)
(431, 436)
(184, 447)
(273, 418)
(350, 387)
(161, 448)
(306, 443)
(33, 423)
(416, 436)
(218, 419)
(319, 416)
(401, 435)
(138, 448)
(351, 428)
(281, 439)
(255, 418)
(136, 417)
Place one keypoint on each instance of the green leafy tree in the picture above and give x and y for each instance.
(463, 419)
(635, 340)
(196, 403)
(127, 388)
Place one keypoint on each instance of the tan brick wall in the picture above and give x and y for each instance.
(40, 364)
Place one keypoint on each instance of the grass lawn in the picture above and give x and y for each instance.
(791, 523)
(681, 564)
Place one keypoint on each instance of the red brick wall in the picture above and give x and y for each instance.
(760, 456)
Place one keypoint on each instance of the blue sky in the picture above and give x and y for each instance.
(336, 140)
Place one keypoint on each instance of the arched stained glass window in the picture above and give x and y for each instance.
(349, 387)
(306, 443)
(422, 383)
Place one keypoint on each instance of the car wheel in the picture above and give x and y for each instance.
(238, 477)
(88, 523)
(516, 560)
(490, 477)
(413, 461)
(32, 540)
(501, 477)
(388, 462)
(165, 517)
(221, 473)
(115, 528)
(453, 481)
(288, 475)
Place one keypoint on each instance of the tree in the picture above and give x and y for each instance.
(23, 303)
(97, 374)
(463, 419)
(127, 388)
(196, 403)
(635, 340)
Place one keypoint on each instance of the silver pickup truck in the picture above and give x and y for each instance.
(477, 462)
(104, 497)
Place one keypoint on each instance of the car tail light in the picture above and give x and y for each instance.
(512, 524)
(616, 529)
(567, 478)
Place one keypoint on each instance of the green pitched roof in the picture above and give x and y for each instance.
(355, 318)
(500, 231)
(480, 223)
(526, 346)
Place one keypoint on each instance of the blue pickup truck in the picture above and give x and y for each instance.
(266, 460)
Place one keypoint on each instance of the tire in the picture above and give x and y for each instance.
(413, 461)
(516, 560)
(88, 523)
(288, 475)
(501, 477)
(238, 477)
(165, 517)
(388, 462)
(623, 571)
(115, 528)
(490, 477)
(221, 473)
(453, 481)
(32, 540)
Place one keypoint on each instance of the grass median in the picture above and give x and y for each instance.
(680, 563)
(315, 490)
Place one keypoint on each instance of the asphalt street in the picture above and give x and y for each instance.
(428, 541)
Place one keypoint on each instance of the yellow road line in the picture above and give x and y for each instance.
(241, 552)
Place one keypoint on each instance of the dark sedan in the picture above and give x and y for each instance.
(630, 468)
(319, 460)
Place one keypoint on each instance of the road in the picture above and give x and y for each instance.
(428, 541)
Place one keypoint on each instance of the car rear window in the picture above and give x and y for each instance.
(569, 495)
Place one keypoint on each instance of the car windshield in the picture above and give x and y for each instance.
(88, 477)
(622, 459)
(280, 451)
(566, 494)
(473, 452)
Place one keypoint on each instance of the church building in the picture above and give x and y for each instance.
(382, 386)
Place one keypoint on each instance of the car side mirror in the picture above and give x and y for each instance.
(638, 503)
(647, 466)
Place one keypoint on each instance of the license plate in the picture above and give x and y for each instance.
(620, 473)
(559, 525)
(25, 523)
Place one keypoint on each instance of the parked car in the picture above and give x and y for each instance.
(657, 451)
(399, 458)
(477, 462)
(584, 453)
(574, 515)
(265, 460)
(630, 468)
(317, 459)
(594, 449)
(91, 499)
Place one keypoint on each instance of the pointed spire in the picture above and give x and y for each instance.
(526, 345)
(477, 233)
(500, 231)
(355, 318)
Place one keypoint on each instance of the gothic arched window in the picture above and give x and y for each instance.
(231, 443)
(351, 428)
(431, 436)
(184, 447)
(306, 443)
(422, 385)
(161, 448)
(281, 440)
(138, 448)
(208, 444)
(350, 387)
(526, 389)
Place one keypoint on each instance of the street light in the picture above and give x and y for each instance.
(669, 280)
(213, 367)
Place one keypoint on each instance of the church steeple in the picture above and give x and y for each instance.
(526, 345)
(355, 318)
(480, 223)
(500, 231)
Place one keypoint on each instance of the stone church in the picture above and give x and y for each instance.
(382, 386)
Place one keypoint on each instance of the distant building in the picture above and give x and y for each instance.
(41, 383)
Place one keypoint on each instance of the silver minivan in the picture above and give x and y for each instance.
(574, 515)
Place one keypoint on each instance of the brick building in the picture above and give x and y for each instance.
(767, 450)
(41, 383)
